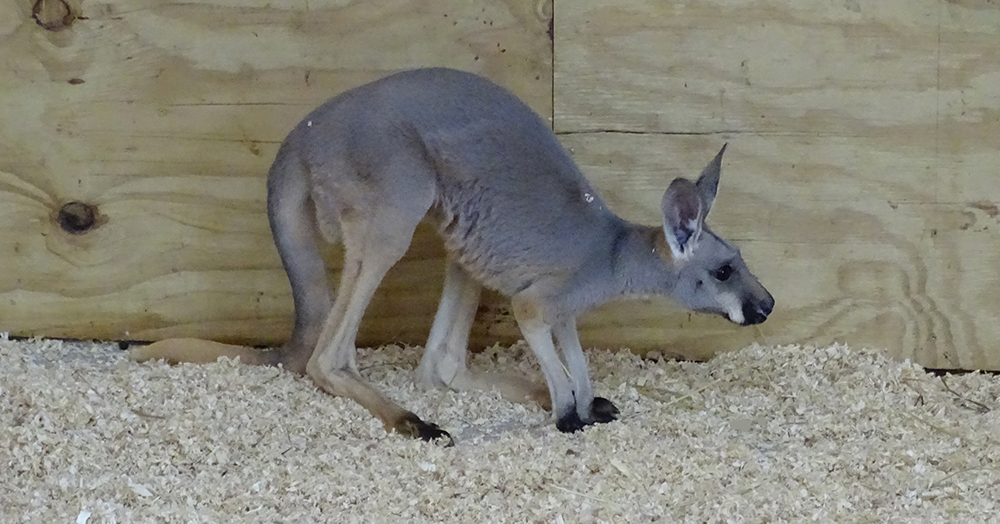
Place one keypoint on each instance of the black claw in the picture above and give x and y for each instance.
(603, 411)
(412, 426)
(433, 433)
(570, 423)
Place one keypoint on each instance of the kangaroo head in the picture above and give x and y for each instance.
(711, 275)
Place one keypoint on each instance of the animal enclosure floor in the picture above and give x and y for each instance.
(765, 434)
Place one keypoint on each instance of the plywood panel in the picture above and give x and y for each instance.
(862, 175)
(164, 117)
(843, 260)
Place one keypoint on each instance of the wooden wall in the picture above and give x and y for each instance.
(165, 117)
(861, 178)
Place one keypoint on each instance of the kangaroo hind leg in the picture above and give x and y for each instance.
(444, 360)
(376, 234)
(445, 351)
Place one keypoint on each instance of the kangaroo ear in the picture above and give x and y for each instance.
(683, 217)
(708, 182)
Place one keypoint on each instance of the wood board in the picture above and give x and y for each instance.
(863, 135)
(163, 118)
(861, 179)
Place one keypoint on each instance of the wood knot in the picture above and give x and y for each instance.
(77, 217)
(54, 15)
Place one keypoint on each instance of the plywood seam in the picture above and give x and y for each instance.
(684, 133)
(552, 63)
(721, 132)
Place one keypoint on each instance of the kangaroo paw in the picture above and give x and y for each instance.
(570, 423)
(603, 411)
(411, 426)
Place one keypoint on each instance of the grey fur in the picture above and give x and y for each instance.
(515, 213)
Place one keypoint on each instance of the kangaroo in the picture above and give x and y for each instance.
(516, 215)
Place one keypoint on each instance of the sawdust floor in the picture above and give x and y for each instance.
(765, 434)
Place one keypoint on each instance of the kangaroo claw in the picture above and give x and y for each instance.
(412, 426)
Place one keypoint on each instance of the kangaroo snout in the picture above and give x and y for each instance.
(756, 311)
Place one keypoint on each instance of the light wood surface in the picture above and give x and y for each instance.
(165, 118)
(861, 179)
(862, 174)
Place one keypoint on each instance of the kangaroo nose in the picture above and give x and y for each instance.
(755, 312)
(767, 306)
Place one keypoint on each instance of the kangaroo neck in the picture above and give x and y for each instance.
(643, 262)
(637, 262)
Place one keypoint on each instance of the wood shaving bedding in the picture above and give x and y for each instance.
(765, 434)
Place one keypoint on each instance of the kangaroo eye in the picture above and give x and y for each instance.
(723, 273)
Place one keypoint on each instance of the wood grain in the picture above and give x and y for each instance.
(861, 182)
(165, 117)
(861, 179)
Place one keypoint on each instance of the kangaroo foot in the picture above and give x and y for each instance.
(411, 426)
(603, 411)
(570, 423)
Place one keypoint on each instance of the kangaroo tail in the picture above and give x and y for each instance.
(198, 351)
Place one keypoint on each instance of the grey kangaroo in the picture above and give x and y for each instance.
(516, 215)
